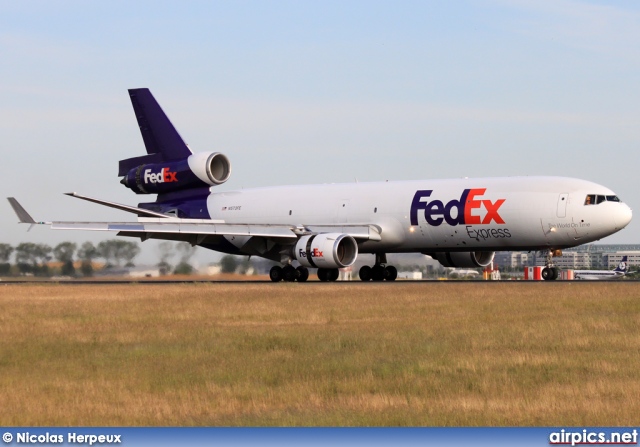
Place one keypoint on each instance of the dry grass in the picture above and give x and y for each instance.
(320, 354)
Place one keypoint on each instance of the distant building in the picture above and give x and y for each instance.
(133, 272)
(511, 259)
(410, 275)
(144, 272)
(611, 260)
(574, 260)
(211, 270)
(585, 257)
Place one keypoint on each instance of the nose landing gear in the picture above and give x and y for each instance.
(550, 272)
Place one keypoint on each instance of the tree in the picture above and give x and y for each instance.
(33, 258)
(5, 254)
(63, 252)
(117, 250)
(106, 250)
(186, 251)
(127, 251)
(228, 264)
(166, 250)
(183, 268)
(244, 265)
(87, 253)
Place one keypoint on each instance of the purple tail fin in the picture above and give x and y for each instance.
(162, 140)
(623, 266)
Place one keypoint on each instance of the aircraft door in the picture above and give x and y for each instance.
(562, 205)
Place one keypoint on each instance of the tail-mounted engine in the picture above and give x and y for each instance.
(195, 171)
(326, 250)
(466, 259)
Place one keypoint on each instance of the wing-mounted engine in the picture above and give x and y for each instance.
(197, 170)
(466, 259)
(326, 250)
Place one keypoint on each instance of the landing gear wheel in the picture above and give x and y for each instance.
(365, 273)
(390, 273)
(333, 275)
(275, 274)
(302, 274)
(323, 275)
(377, 273)
(549, 273)
(289, 273)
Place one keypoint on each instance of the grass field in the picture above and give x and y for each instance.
(320, 354)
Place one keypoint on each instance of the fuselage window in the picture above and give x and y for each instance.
(613, 199)
(599, 200)
(590, 200)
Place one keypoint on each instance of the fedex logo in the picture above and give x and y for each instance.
(315, 253)
(467, 209)
(164, 176)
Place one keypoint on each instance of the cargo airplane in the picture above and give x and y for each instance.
(459, 222)
(600, 275)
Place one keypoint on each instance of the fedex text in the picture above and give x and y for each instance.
(164, 176)
(315, 253)
(465, 211)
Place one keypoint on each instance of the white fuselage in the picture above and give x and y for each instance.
(597, 275)
(512, 213)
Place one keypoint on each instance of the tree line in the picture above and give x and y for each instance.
(34, 259)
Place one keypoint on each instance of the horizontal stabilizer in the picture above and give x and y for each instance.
(20, 211)
(141, 212)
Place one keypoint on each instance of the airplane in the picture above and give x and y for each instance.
(464, 272)
(459, 222)
(621, 270)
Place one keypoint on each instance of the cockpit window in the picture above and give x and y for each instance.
(593, 199)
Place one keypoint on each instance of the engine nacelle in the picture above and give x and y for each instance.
(326, 250)
(198, 170)
(467, 259)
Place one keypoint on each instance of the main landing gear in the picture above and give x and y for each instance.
(380, 270)
(550, 272)
(288, 273)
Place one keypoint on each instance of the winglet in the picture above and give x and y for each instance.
(20, 211)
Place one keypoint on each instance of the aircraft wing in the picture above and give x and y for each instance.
(166, 227)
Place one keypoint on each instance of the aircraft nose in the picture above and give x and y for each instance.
(622, 216)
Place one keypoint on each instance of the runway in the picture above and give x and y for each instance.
(262, 281)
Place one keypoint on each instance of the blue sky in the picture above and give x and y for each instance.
(312, 92)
